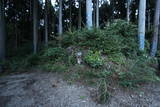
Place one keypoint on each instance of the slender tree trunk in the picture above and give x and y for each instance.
(141, 24)
(156, 27)
(70, 15)
(80, 15)
(46, 22)
(30, 10)
(148, 17)
(16, 34)
(60, 31)
(2, 34)
(94, 13)
(113, 9)
(97, 13)
(35, 26)
(149, 20)
(128, 10)
(89, 13)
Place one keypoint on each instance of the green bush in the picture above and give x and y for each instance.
(31, 60)
(94, 59)
(140, 71)
(55, 54)
(119, 37)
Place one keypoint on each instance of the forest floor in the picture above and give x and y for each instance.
(43, 89)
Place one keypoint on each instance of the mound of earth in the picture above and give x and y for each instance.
(43, 89)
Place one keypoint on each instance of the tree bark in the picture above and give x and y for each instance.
(2, 34)
(128, 10)
(149, 20)
(60, 18)
(97, 14)
(46, 22)
(94, 13)
(89, 14)
(35, 26)
(70, 15)
(80, 15)
(113, 9)
(141, 24)
(156, 27)
(148, 17)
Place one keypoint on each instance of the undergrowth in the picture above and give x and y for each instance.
(112, 55)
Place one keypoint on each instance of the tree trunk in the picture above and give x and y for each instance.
(89, 13)
(94, 13)
(35, 26)
(156, 27)
(128, 10)
(60, 18)
(97, 13)
(141, 24)
(2, 34)
(80, 15)
(70, 15)
(16, 34)
(148, 17)
(112, 9)
(149, 20)
(46, 22)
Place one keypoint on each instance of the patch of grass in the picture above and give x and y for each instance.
(82, 97)
(55, 67)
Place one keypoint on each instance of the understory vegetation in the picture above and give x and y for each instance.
(109, 56)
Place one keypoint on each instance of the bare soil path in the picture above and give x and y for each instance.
(43, 89)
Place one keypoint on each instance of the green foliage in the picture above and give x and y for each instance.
(55, 67)
(94, 59)
(55, 54)
(31, 60)
(103, 91)
(72, 60)
(118, 58)
(138, 72)
(119, 37)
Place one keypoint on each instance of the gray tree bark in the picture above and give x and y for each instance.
(94, 13)
(89, 13)
(97, 14)
(156, 27)
(35, 26)
(141, 24)
(149, 20)
(148, 17)
(80, 15)
(128, 10)
(46, 22)
(2, 34)
(60, 19)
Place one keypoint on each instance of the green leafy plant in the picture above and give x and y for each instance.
(55, 54)
(104, 94)
(138, 72)
(94, 59)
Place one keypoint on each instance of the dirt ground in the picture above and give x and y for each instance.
(43, 89)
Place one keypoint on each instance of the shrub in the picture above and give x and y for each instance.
(118, 58)
(31, 60)
(119, 37)
(55, 54)
(104, 94)
(138, 72)
(94, 59)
